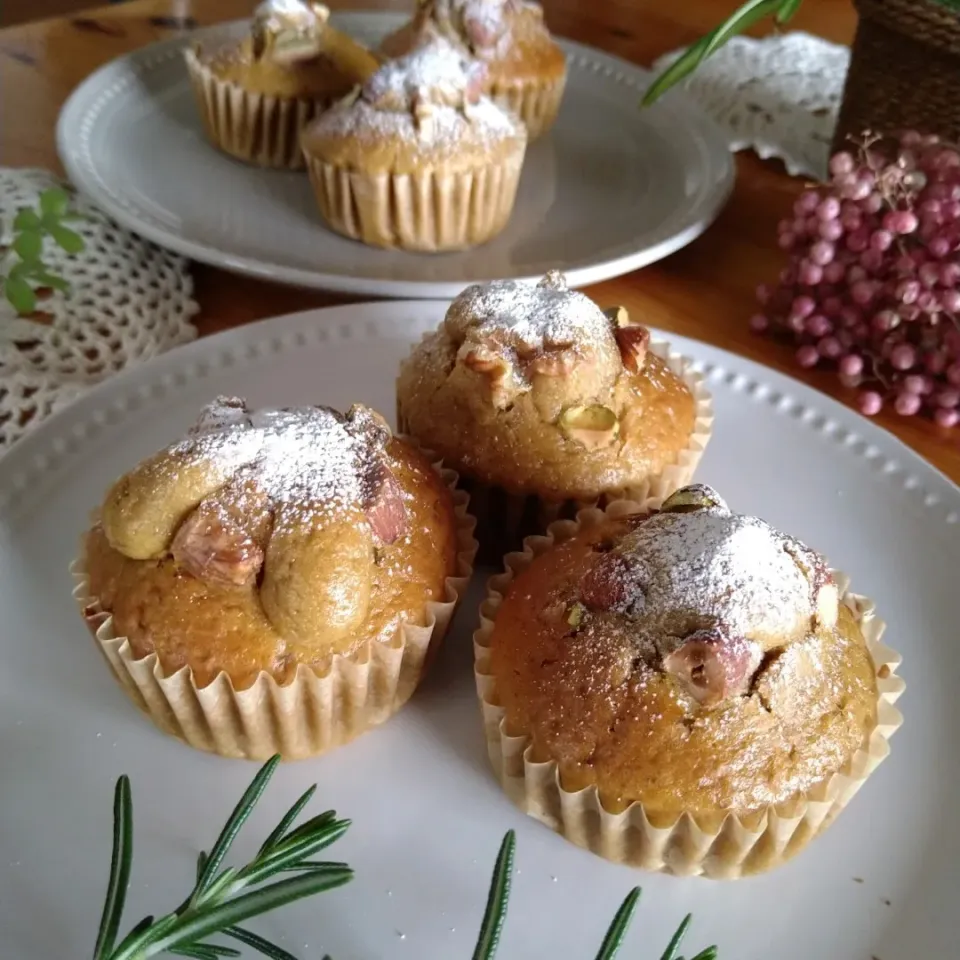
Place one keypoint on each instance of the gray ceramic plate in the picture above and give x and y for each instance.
(612, 188)
(428, 815)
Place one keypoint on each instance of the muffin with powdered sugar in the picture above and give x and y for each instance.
(684, 689)
(417, 157)
(545, 403)
(526, 71)
(274, 582)
(257, 93)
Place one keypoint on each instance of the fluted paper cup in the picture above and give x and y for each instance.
(430, 212)
(253, 127)
(727, 847)
(311, 714)
(536, 103)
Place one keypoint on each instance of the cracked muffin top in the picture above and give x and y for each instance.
(693, 660)
(537, 390)
(270, 539)
(291, 51)
(509, 36)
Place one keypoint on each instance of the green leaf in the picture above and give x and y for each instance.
(46, 279)
(28, 245)
(54, 202)
(709, 954)
(22, 298)
(497, 899)
(287, 854)
(68, 240)
(674, 945)
(784, 15)
(120, 860)
(305, 865)
(26, 219)
(309, 827)
(134, 943)
(742, 19)
(194, 953)
(288, 818)
(213, 919)
(613, 941)
(265, 947)
(234, 822)
(201, 861)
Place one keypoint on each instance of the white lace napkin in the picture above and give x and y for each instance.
(128, 301)
(778, 96)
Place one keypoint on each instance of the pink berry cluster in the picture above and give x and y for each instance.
(872, 286)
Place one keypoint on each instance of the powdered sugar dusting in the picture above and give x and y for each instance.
(711, 568)
(431, 96)
(436, 73)
(307, 457)
(529, 318)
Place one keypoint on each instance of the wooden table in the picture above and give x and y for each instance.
(704, 291)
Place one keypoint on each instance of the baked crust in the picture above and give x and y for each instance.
(292, 53)
(421, 113)
(508, 36)
(214, 570)
(593, 695)
(505, 420)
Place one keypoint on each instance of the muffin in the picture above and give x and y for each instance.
(417, 158)
(684, 690)
(544, 404)
(526, 70)
(274, 582)
(256, 95)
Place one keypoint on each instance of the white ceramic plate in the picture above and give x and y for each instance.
(611, 189)
(428, 815)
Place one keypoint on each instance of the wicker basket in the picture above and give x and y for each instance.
(904, 71)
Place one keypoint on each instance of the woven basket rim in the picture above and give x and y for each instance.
(923, 21)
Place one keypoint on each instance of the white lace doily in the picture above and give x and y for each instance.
(778, 96)
(128, 300)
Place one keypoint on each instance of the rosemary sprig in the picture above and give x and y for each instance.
(223, 898)
(31, 228)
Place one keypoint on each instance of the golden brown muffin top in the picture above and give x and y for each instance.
(692, 660)
(292, 51)
(508, 36)
(536, 389)
(421, 110)
(301, 516)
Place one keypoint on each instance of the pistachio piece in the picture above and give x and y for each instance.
(553, 280)
(213, 544)
(632, 343)
(618, 316)
(713, 666)
(594, 426)
(362, 421)
(827, 607)
(606, 585)
(575, 616)
(485, 359)
(383, 504)
(696, 496)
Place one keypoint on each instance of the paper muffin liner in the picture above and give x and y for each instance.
(432, 211)
(535, 102)
(505, 518)
(727, 849)
(311, 714)
(253, 127)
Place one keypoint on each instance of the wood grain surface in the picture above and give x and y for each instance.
(704, 291)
